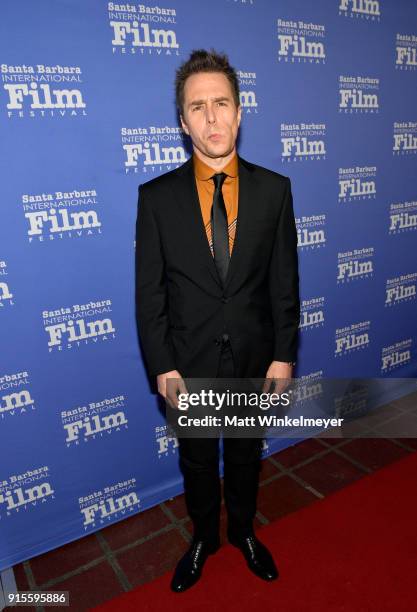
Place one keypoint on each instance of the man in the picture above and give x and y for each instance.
(217, 296)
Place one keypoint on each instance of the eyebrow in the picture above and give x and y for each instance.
(219, 99)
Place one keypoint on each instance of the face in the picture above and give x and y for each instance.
(210, 116)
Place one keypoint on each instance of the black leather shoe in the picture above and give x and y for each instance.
(190, 566)
(257, 556)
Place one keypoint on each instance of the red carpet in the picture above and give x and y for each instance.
(353, 551)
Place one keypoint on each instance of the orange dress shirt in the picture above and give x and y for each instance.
(230, 191)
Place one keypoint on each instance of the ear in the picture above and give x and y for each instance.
(184, 125)
(239, 114)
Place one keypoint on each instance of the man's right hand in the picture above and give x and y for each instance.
(169, 391)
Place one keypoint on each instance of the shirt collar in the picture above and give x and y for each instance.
(205, 172)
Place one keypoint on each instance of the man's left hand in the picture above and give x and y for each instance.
(279, 372)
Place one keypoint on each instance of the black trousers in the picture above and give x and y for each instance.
(199, 463)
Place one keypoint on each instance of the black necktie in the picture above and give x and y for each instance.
(219, 228)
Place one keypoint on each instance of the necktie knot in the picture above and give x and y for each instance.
(219, 179)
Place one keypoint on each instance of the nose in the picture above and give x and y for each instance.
(211, 115)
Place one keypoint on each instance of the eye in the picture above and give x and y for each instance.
(197, 107)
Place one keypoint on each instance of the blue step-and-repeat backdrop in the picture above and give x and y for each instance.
(87, 113)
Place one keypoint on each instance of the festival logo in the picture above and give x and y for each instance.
(166, 441)
(309, 387)
(61, 215)
(395, 355)
(43, 91)
(151, 150)
(312, 313)
(358, 94)
(301, 42)
(6, 294)
(400, 289)
(354, 265)
(404, 138)
(112, 502)
(353, 403)
(311, 232)
(141, 29)
(303, 142)
(357, 183)
(406, 52)
(247, 91)
(352, 338)
(15, 395)
(402, 217)
(26, 491)
(94, 421)
(360, 9)
(69, 327)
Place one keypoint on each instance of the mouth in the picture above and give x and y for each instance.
(215, 136)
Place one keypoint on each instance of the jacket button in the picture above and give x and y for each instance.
(225, 299)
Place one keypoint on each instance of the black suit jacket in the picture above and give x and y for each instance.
(181, 307)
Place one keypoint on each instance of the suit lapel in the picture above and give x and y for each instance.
(246, 199)
(193, 226)
(186, 193)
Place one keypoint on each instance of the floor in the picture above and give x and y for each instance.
(137, 550)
